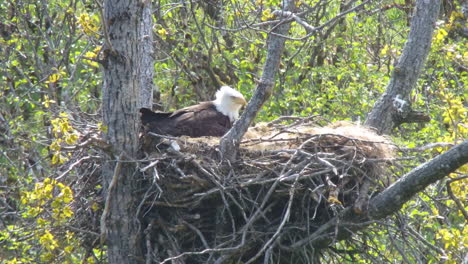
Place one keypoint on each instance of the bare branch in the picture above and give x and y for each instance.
(230, 142)
(428, 146)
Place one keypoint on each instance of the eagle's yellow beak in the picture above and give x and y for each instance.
(240, 100)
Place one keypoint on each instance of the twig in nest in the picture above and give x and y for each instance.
(272, 188)
(162, 136)
(152, 164)
(147, 233)
(298, 120)
(328, 164)
(178, 170)
(302, 121)
(268, 245)
(198, 232)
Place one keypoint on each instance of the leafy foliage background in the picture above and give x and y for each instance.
(50, 100)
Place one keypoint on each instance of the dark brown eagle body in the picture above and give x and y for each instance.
(194, 121)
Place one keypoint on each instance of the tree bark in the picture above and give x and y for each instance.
(147, 60)
(230, 142)
(126, 71)
(390, 200)
(392, 108)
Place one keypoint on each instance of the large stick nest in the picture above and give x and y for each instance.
(287, 182)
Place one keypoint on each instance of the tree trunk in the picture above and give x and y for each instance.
(127, 69)
(230, 142)
(147, 59)
(393, 108)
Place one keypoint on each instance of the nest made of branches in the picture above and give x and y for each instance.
(288, 181)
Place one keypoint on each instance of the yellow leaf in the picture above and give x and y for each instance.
(162, 32)
(71, 139)
(56, 158)
(68, 249)
(54, 146)
(385, 50)
(41, 222)
(95, 207)
(90, 55)
(334, 200)
(56, 204)
(47, 101)
(67, 195)
(67, 212)
(53, 78)
(267, 15)
(102, 128)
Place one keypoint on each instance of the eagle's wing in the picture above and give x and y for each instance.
(157, 122)
(194, 121)
(148, 116)
(206, 121)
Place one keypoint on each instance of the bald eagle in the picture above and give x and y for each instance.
(213, 118)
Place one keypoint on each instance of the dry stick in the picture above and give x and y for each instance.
(280, 228)
(297, 120)
(110, 190)
(72, 166)
(198, 232)
(269, 193)
(457, 201)
(205, 251)
(152, 164)
(302, 121)
(259, 211)
(162, 136)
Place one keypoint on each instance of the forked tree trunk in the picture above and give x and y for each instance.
(393, 107)
(127, 69)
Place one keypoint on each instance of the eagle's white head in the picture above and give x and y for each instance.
(229, 101)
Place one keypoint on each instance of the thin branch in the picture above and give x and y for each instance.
(454, 198)
(104, 27)
(428, 146)
(110, 192)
